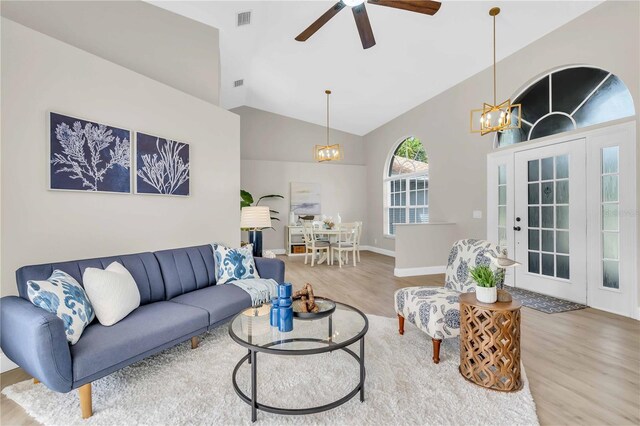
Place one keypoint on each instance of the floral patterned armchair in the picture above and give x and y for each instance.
(435, 310)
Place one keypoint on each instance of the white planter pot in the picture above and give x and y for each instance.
(486, 294)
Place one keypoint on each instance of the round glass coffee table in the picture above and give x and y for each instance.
(251, 329)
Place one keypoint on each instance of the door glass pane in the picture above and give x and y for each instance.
(610, 245)
(562, 242)
(547, 192)
(562, 166)
(610, 274)
(610, 160)
(562, 217)
(502, 174)
(502, 195)
(547, 241)
(534, 173)
(562, 267)
(610, 188)
(609, 217)
(534, 239)
(534, 217)
(562, 192)
(547, 217)
(547, 264)
(547, 168)
(502, 216)
(534, 193)
(534, 262)
(502, 236)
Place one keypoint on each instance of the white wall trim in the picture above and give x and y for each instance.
(276, 251)
(423, 270)
(379, 250)
(5, 363)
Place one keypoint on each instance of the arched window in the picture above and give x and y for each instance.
(568, 99)
(406, 185)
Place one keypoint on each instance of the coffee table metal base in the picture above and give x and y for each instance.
(252, 359)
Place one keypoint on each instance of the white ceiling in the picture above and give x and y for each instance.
(415, 58)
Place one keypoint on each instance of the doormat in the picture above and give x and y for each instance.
(542, 302)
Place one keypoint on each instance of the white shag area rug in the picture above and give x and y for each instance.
(193, 387)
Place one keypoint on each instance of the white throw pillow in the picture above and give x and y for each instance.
(112, 291)
(234, 263)
(62, 295)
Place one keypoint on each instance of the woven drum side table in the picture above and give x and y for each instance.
(490, 343)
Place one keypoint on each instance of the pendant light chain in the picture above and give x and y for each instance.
(328, 92)
(495, 97)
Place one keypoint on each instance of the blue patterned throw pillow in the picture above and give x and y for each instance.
(61, 294)
(234, 263)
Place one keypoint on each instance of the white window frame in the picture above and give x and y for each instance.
(387, 190)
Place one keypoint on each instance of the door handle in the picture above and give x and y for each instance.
(517, 228)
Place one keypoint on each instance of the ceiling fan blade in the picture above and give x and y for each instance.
(364, 26)
(427, 7)
(303, 36)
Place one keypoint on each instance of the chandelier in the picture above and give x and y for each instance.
(495, 117)
(327, 152)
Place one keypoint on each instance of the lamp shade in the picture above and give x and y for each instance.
(255, 217)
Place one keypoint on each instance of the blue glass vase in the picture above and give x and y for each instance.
(285, 310)
(275, 316)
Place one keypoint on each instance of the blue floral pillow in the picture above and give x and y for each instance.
(234, 263)
(61, 294)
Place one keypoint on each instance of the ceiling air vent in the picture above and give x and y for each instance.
(244, 18)
(238, 83)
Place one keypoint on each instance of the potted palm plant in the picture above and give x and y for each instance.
(485, 279)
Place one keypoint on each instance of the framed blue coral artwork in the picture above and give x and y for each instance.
(162, 166)
(88, 156)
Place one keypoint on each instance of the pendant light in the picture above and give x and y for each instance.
(495, 117)
(328, 152)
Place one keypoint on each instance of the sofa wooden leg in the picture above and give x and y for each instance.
(436, 350)
(400, 324)
(35, 381)
(85, 400)
(195, 341)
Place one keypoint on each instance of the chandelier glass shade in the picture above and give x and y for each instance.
(495, 117)
(327, 152)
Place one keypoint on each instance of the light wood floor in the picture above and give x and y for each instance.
(583, 366)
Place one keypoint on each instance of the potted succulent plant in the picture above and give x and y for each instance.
(485, 279)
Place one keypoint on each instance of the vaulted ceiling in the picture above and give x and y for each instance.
(415, 58)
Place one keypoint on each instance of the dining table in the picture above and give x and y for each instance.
(328, 233)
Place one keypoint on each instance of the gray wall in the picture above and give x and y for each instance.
(268, 136)
(607, 36)
(40, 74)
(166, 47)
(277, 150)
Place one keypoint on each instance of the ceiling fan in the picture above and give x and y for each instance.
(427, 7)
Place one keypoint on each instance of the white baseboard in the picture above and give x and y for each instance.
(379, 250)
(5, 363)
(276, 251)
(424, 270)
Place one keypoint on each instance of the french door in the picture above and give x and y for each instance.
(566, 209)
(550, 220)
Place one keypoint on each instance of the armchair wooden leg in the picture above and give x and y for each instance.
(436, 350)
(195, 341)
(85, 400)
(35, 381)
(400, 324)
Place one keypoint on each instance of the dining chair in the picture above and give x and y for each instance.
(357, 239)
(347, 233)
(312, 244)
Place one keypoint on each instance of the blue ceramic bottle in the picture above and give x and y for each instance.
(285, 310)
(275, 315)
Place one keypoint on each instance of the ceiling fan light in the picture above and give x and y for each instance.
(353, 3)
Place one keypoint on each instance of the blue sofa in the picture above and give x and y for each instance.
(178, 301)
